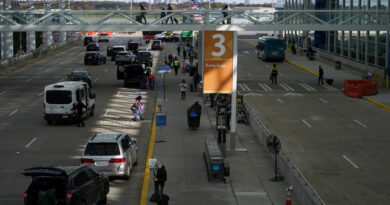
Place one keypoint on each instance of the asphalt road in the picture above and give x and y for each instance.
(27, 141)
(340, 144)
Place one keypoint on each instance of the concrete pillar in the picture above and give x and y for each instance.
(7, 43)
(376, 47)
(48, 35)
(349, 44)
(366, 49)
(387, 56)
(31, 44)
(358, 46)
(62, 33)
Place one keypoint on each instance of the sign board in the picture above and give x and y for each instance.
(218, 53)
(161, 119)
(164, 69)
(153, 164)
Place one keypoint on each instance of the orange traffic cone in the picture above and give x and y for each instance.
(288, 200)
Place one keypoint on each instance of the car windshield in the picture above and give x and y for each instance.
(58, 96)
(100, 149)
(103, 34)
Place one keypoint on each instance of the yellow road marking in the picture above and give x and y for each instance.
(292, 63)
(145, 182)
(379, 104)
(29, 65)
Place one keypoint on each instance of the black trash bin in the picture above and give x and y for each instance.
(193, 116)
(338, 65)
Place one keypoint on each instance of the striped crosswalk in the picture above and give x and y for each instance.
(284, 87)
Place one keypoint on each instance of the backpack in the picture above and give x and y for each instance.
(176, 63)
(134, 107)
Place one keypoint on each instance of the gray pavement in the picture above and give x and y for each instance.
(180, 149)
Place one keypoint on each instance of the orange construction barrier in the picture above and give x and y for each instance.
(359, 88)
(288, 200)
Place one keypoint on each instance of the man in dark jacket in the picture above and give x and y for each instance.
(162, 15)
(196, 81)
(320, 76)
(79, 119)
(169, 8)
(159, 179)
(142, 8)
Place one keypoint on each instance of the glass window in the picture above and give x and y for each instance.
(101, 149)
(125, 144)
(80, 179)
(58, 96)
(91, 174)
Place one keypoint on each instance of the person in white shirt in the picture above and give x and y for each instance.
(183, 89)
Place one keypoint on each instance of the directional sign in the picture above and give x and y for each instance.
(153, 164)
(161, 119)
(164, 69)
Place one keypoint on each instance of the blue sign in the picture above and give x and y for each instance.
(161, 119)
(164, 69)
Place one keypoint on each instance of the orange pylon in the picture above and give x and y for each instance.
(288, 200)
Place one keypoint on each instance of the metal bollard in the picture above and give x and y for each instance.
(387, 81)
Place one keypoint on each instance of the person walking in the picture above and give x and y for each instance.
(224, 13)
(169, 9)
(160, 179)
(274, 74)
(183, 89)
(178, 50)
(196, 80)
(320, 76)
(176, 65)
(137, 108)
(79, 118)
(293, 48)
(151, 81)
(142, 8)
(163, 14)
(170, 59)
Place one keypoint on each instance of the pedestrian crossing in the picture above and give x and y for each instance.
(284, 87)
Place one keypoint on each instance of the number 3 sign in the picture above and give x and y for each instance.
(218, 61)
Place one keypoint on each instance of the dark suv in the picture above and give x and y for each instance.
(93, 46)
(65, 185)
(131, 74)
(89, 39)
(144, 57)
(94, 57)
(80, 75)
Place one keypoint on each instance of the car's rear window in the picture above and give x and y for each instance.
(101, 149)
(122, 54)
(118, 49)
(58, 96)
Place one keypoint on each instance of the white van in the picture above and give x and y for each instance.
(60, 101)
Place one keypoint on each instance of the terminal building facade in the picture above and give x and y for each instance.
(367, 47)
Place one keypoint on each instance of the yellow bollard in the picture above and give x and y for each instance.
(374, 77)
(387, 81)
(380, 80)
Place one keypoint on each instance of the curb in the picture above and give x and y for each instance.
(378, 104)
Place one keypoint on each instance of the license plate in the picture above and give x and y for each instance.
(274, 53)
(64, 116)
(101, 163)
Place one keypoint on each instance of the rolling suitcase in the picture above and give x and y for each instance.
(154, 198)
(164, 200)
(329, 81)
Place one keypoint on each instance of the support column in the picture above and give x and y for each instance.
(358, 47)
(366, 49)
(31, 44)
(376, 48)
(387, 56)
(8, 37)
(349, 44)
(62, 20)
(48, 35)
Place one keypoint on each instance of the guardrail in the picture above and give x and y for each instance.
(303, 190)
(19, 59)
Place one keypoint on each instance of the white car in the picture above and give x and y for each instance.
(104, 37)
(124, 57)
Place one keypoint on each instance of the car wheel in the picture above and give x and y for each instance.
(103, 200)
(49, 122)
(127, 174)
(85, 63)
(92, 111)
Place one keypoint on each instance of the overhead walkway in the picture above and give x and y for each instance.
(248, 20)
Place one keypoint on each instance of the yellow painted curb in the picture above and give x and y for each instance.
(292, 63)
(379, 104)
(145, 181)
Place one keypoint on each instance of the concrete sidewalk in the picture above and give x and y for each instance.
(181, 151)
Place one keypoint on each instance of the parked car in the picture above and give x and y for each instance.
(66, 185)
(115, 50)
(156, 45)
(104, 37)
(114, 154)
(88, 39)
(94, 57)
(124, 57)
(144, 57)
(80, 75)
(133, 74)
(93, 46)
(167, 37)
(60, 100)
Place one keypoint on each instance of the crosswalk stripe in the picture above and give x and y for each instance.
(331, 88)
(241, 86)
(283, 86)
(292, 89)
(307, 87)
(265, 87)
(246, 87)
(286, 87)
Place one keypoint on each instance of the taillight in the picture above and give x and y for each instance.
(68, 196)
(25, 195)
(74, 106)
(117, 160)
(85, 161)
(94, 55)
